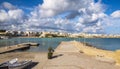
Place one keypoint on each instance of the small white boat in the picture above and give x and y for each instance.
(14, 64)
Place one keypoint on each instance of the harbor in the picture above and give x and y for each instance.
(59, 34)
(68, 55)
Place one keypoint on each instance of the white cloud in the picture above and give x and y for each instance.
(116, 14)
(112, 25)
(7, 5)
(16, 14)
(51, 8)
(3, 16)
(12, 18)
(83, 14)
(50, 24)
(11, 15)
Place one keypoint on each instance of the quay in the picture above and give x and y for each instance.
(17, 47)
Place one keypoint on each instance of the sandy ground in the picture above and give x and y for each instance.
(39, 59)
(77, 61)
(109, 56)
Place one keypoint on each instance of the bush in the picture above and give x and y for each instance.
(50, 55)
(50, 52)
(50, 49)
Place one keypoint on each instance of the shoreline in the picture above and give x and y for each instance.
(96, 52)
(62, 37)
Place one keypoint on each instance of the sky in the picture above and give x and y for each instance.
(73, 16)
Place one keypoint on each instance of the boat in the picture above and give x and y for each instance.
(4, 37)
(14, 64)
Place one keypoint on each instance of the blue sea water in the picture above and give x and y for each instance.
(102, 43)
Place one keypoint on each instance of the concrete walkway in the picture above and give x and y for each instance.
(67, 56)
(66, 47)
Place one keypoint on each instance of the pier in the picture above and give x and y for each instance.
(68, 56)
(30, 44)
(17, 47)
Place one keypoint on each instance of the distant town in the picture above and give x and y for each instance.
(9, 34)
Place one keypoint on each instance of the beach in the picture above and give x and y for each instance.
(69, 55)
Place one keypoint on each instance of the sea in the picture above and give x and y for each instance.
(44, 43)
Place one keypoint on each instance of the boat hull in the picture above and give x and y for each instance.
(15, 65)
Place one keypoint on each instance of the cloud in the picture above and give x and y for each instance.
(3, 16)
(11, 18)
(48, 24)
(116, 14)
(16, 14)
(112, 25)
(51, 8)
(93, 29)
(72, 15)
(12, 12)
(82, 14)
(60, 15)
(8, 5)
(11, 15)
